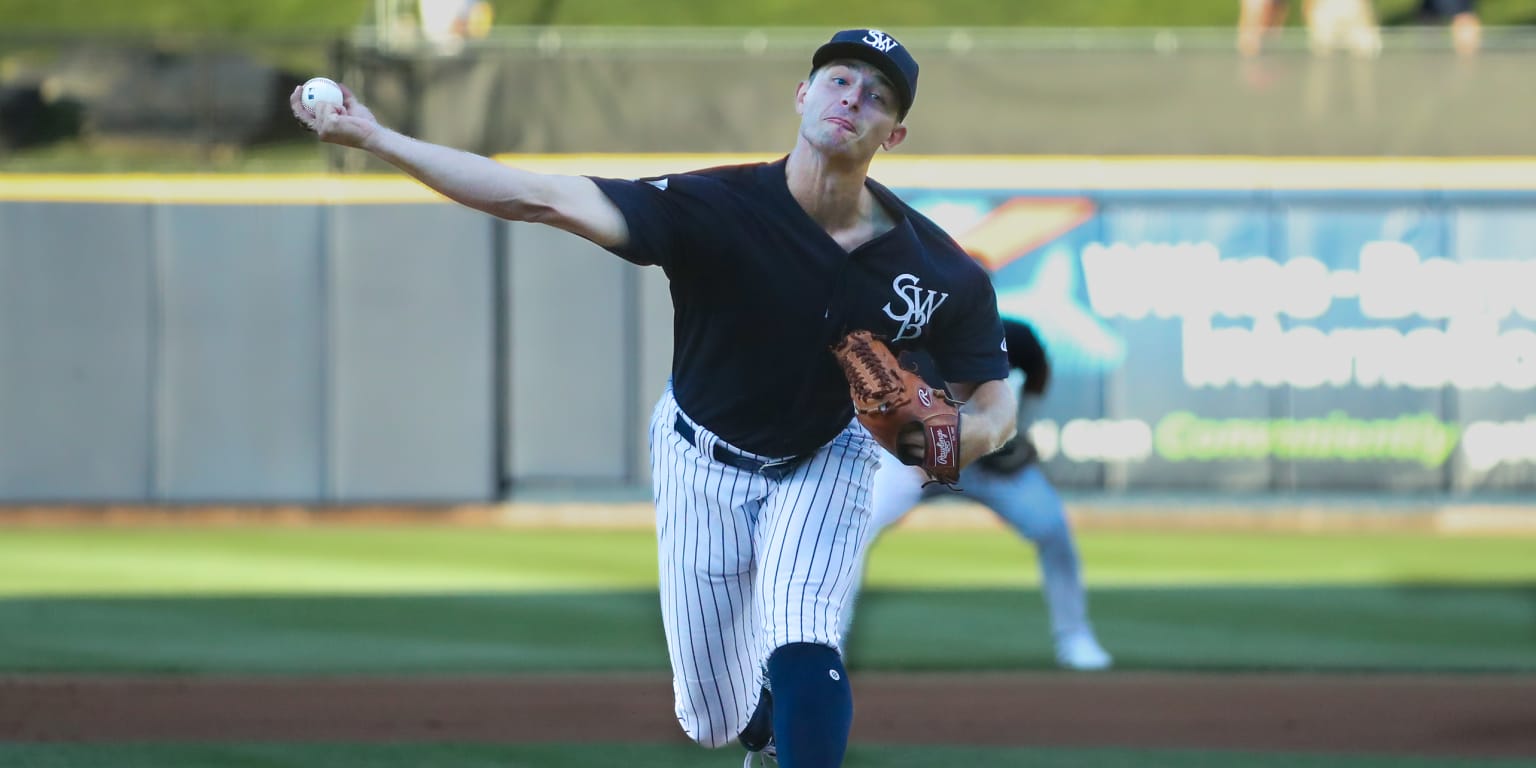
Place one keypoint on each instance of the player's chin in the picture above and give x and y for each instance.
(843, 145)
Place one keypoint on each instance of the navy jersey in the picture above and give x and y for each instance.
(761, 292)
(1025, 352)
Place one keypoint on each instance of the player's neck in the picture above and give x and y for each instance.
(832, 192)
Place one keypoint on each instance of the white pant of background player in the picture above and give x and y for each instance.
(1027, 501)
(749, 564)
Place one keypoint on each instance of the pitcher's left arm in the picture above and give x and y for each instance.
(988, 418)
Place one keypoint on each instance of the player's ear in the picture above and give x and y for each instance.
(800, 91)
(898, 135)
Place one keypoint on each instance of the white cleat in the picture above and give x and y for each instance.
(1081, 652)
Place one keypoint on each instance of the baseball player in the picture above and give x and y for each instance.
(760, 470)
(1011, 484)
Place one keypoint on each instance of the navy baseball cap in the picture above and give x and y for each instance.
(880, 50)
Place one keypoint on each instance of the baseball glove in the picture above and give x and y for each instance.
(893, 402)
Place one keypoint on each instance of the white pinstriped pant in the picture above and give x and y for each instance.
(748, 564)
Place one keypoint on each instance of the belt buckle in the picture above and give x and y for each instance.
(778, 468)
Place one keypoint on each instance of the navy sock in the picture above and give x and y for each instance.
(812, 705)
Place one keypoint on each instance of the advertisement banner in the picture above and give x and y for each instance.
(1257, 341)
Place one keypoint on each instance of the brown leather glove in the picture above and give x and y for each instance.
(893, 402)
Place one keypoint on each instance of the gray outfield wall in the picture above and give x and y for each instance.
(300, 353)
(315, 353)
(181, 350)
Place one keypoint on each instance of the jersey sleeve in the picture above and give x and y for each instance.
(973, 347)
(1026, 353)
(660, 214)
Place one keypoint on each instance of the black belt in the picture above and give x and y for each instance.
(773, 470)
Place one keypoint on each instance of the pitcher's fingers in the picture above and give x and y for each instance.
(328, 112)
(301, 112)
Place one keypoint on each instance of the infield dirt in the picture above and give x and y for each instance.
(1485, 716)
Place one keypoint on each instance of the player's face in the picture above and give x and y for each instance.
(848, 107)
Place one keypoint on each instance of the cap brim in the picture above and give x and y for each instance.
(871, 56)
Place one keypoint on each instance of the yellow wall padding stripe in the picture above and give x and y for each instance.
(264, 189)
(1070, 173)
(931, 172)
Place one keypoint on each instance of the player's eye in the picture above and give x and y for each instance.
(840, 80)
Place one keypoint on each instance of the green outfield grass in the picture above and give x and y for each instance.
(390, 601)
(681, 756)
(439, 600)
(1385, 628)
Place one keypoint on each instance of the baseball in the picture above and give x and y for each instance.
(318, 90)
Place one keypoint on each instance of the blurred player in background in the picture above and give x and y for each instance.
(1257, 20)
(1332, 25)
(1466, 25)
(1011, 484)
(760, 471)
(1346, 26)
(446, 24)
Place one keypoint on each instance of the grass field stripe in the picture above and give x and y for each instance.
(249, 560)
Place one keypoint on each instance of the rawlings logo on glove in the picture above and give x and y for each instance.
(894, 403)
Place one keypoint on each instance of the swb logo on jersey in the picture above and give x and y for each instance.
(920, 306)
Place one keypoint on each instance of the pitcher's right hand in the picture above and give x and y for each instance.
(350, 125)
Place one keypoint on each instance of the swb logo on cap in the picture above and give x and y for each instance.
(879, 49)
(880, 40)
